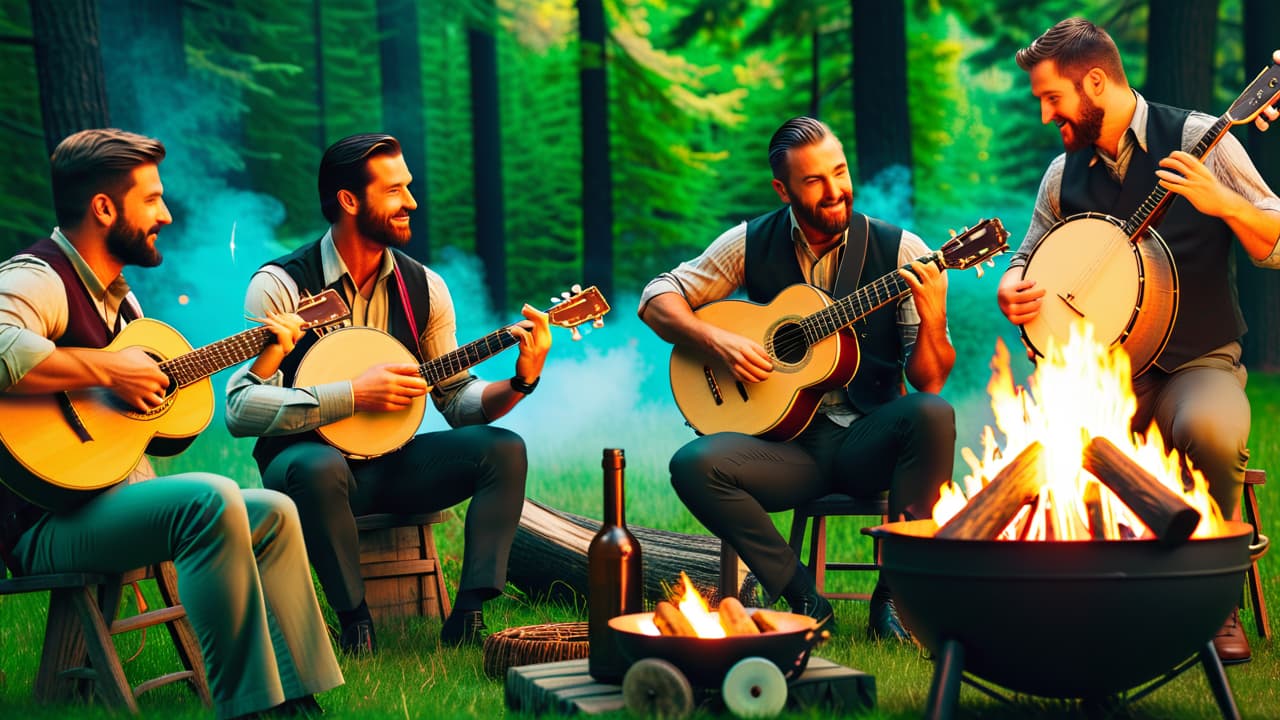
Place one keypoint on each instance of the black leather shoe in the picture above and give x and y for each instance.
(817, 607)
(465, 628)
(883, 622)
(358, 638)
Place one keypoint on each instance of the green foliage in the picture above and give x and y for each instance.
(26, 212)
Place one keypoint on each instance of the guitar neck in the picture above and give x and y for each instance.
(852, 308)
(1149, 212)
(199, 364)
(473, 353)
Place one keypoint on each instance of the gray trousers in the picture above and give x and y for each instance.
(433, 472)
(731, 482)
(1203, 412)
(242, 577)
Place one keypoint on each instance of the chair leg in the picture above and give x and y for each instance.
(111, 684)
(64, 647)
(183, 635)
(1256, 596)
(818, 553)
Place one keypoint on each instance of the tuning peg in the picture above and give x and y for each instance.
(575, 334)
(597, 323)
(978, 268)
(952, 232)
(991, 263)
(576, 288)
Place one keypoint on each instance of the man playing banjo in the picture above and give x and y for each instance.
(1118, 147)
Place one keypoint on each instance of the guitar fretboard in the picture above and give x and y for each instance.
(473, 353)
(852, 308)
(1147, 212)
(200, 364)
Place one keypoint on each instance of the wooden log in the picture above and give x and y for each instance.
(1093, 506)
(1168, 516)
(549, 557)
(992, 509)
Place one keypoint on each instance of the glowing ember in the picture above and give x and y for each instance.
(1075, 394)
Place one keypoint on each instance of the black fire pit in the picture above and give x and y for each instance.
(1063, 619)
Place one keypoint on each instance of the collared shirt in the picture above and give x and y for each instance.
(1228, 162)
(264, 406)
(34, 314)
(720, 271)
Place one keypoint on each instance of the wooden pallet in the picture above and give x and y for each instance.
(565, 688)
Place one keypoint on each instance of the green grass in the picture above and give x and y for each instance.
(413, 677)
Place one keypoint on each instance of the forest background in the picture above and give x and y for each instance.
(596, 141)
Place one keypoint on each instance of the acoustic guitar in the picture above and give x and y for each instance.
(1118, 274)
(805, 332)
(345, 353)
(60, 449)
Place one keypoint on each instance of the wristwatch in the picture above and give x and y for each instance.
(520, 386)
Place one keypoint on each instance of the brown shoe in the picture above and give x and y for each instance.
(1231, 643)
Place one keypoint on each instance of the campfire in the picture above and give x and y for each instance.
(1070, 468)
(688, 615)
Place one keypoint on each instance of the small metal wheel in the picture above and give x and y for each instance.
(656, 688)
(754, 688)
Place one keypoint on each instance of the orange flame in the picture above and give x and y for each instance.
(1076, 393)
(705, 623)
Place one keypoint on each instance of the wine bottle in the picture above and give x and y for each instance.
(615, 582)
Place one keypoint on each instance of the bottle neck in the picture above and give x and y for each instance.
(614, 498)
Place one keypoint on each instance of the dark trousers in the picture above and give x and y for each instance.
(731, 482)
(433, 472)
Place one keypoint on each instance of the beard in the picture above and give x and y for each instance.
(380, 229)
(1088, 128)
(829, 218)
(128, 243)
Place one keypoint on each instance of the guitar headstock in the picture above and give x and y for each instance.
(1263, 91)
(578, 306)
(326, 308)
(974, 246)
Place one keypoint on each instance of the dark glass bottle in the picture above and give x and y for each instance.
(615, 582)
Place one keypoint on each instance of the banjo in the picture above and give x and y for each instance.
(1118, 274)
(344, 353)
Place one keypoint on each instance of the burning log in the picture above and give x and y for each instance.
(992, 509)
(1167, 515)
(735, 620)
(671, 621)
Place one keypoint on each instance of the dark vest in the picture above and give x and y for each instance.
(1202, 246)
(306, 268)
(85, 329)
(770, 267)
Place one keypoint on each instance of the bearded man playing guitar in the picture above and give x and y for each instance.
(236, 552)
(364, 194)
(865, 438)
(1119, 146)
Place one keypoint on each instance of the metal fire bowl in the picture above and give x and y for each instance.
(1063, 619)
(705, 661)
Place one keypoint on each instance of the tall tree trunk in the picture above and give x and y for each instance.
(815, 72)
(880, 115)
(486, 153)
(73, 91)
(404, 108)
(322, 130)
(597, 180)
(1259, 288)
(1181, 36)
(132, 92)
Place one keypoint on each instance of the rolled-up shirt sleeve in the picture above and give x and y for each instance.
(33, 309)
(714, 275)
(458, 398)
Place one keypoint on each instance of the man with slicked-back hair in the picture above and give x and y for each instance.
(868, 437)
(239, 554)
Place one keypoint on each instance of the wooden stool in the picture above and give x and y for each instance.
(79, 657)
(818, 510)
(1249, 506)
(400, 565)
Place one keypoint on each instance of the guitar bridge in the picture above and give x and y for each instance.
(712, 385)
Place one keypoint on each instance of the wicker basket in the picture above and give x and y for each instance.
(533, 644)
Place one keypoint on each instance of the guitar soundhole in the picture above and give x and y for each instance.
(789, 344)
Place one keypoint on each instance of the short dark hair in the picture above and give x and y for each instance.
(99, 160)
(797, 132)
(345, 166)
(1076, 46)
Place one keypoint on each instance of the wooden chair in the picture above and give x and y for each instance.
(401, 567)
(817, 510)
(1249, 509)
(79, 656)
